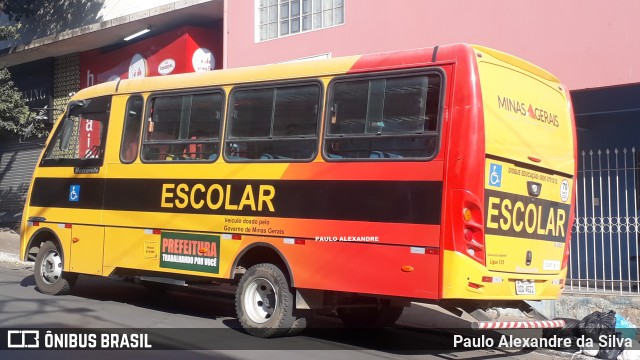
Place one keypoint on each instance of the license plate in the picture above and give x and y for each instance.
(525, 288)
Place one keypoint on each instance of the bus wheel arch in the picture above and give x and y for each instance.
(49, 273)
(265, 299)
(37, 240)
(258, 253)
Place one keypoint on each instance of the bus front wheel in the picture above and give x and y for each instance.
(370, 317)
(265, 303)
(49, 274)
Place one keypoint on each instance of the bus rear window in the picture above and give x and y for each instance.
(394, 117)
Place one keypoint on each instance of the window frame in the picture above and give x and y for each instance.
(300, 17)
(80, 162)
(182, 92)
(274, 85)
(140, 129)
(384, 75)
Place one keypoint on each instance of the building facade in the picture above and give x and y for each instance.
(73, 44)
(587, 44)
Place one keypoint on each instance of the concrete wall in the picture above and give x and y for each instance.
(586, 43)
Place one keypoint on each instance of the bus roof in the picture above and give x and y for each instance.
(295, 70)
(263, 73)
(516, 61)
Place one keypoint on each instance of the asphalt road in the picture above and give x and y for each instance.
(210, 317)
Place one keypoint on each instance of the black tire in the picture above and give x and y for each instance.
(298, 326)
(265, 303)
(50, 277)
(370, 317)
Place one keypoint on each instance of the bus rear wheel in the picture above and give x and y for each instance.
(48, 271)
(370, 317)
(265, 303)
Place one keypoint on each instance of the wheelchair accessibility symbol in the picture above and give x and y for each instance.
(495, 175)
(74, 193)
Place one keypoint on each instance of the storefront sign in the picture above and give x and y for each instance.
(203, 60)
(137, 67)
(166, 66)
(183, 50)
(35, 81)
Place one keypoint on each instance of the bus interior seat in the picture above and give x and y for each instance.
(194, 151)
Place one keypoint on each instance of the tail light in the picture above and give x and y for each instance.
(473, 232)
(467, 230)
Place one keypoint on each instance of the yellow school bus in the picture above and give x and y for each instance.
(355, 184)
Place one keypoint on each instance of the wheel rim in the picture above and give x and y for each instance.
(260, 300)
(51, 267)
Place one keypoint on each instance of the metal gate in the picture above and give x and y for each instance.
(17, 161)
(604, 241)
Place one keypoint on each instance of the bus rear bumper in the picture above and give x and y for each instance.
(464, 278)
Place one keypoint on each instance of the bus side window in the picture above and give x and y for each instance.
(391, 117)
(184, 127)
(131, 131)
(277, 123)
